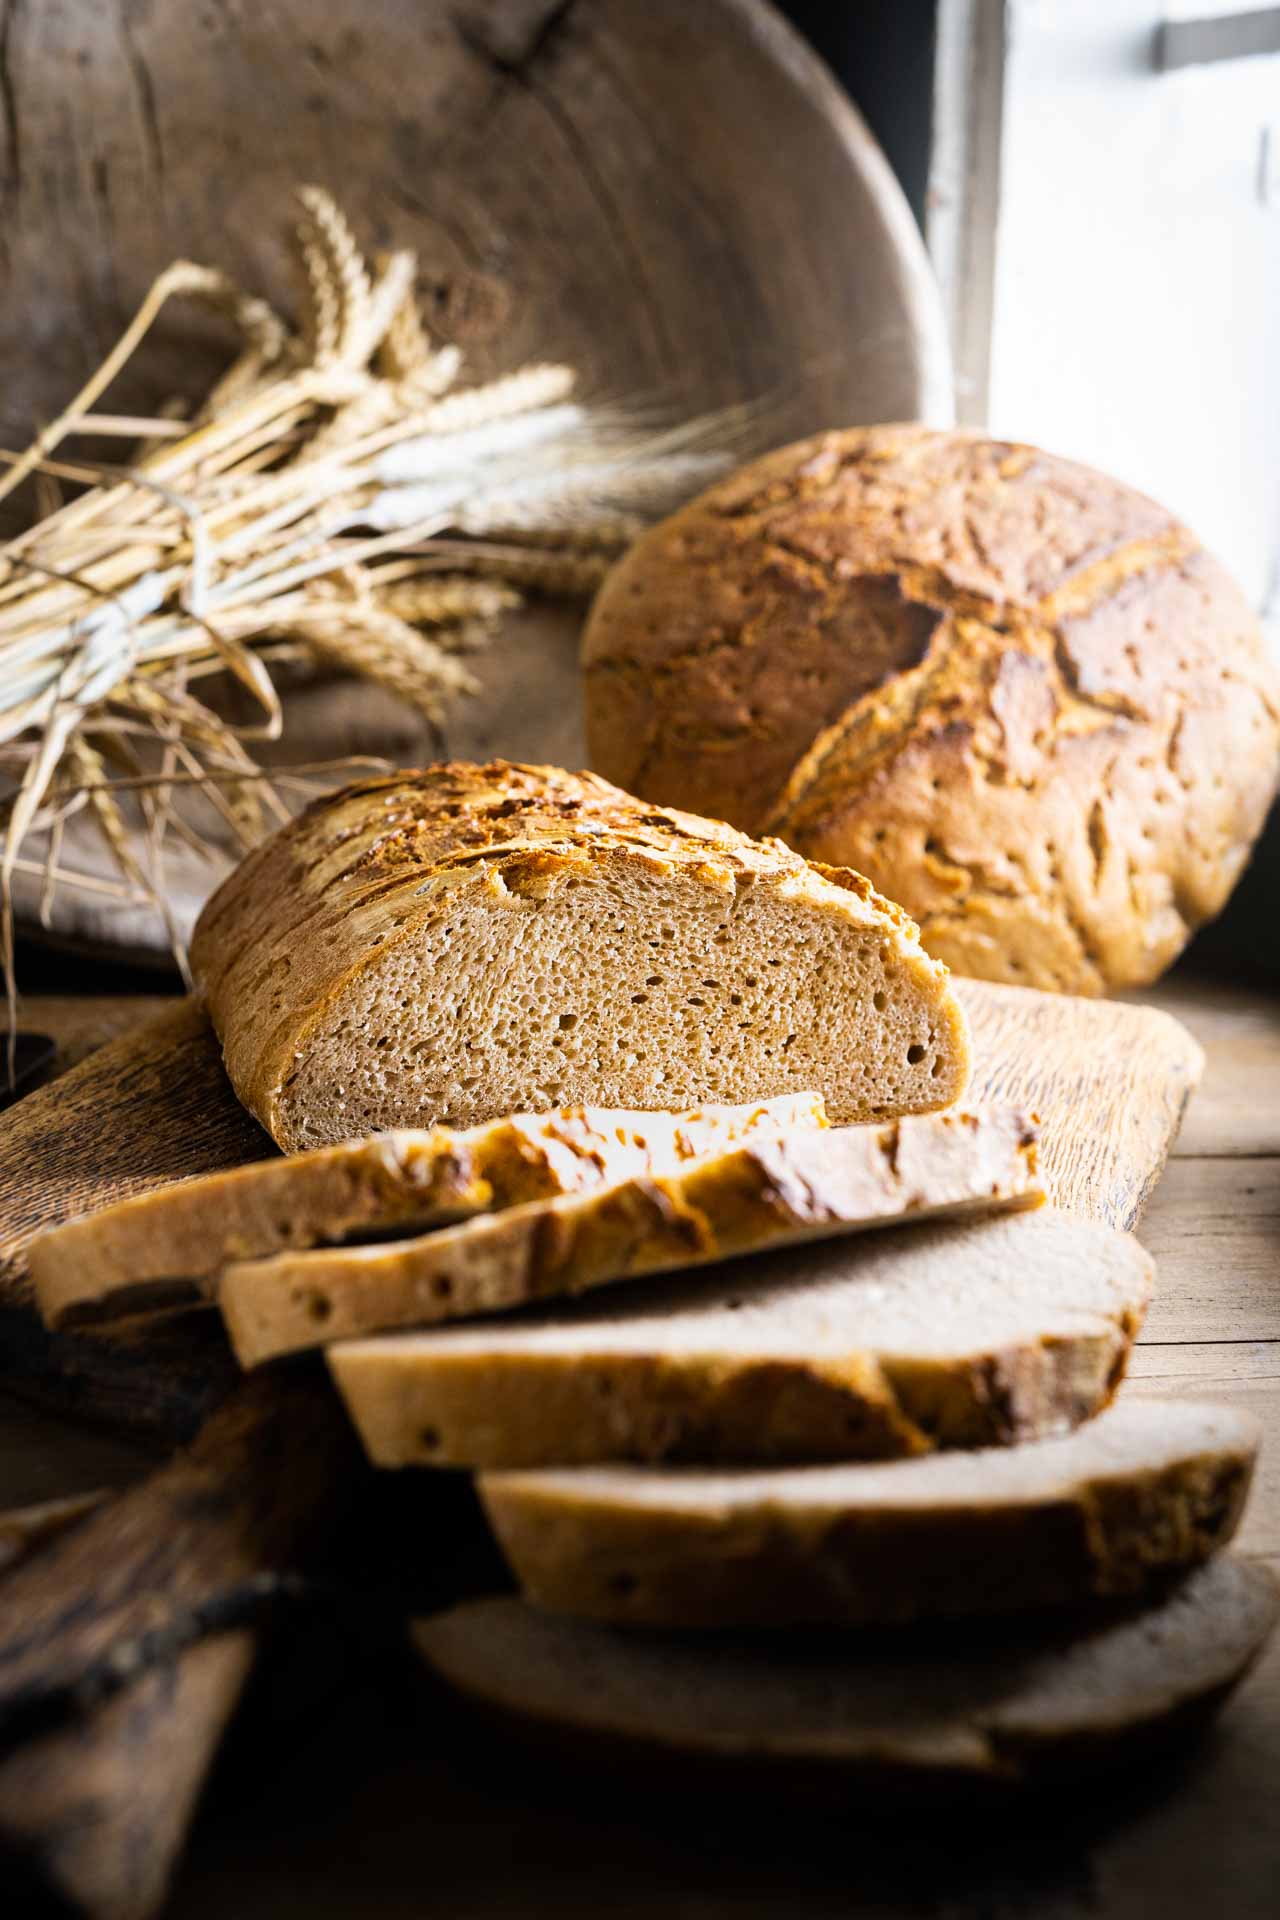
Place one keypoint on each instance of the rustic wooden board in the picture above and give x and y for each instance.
(1110, 1083)
(78, 1025)
(331, 1838)
(151, 1106)
(98, 1810)
(125, 1642)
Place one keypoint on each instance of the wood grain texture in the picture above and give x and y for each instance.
(95, 1814)
(1236, 1373)
(1215, 1236)
(1236, 1111)
(1109, 1081)
(44, 1456)
(150, 1106)
(78, 1025)
(195, 1547)
(124, 1643)
(153, 1105)
(647, 234)
(24, 1529)
(512, 1837)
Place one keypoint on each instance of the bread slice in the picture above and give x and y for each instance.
(767, 1191)
(952, 1336)
(169, 1245)
(465, 942)
(1150, 1488)
(967, 1707)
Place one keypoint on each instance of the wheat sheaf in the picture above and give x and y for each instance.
(338, 497)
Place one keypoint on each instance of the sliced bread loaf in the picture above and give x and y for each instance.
(951, 1336)
(769, 1190)
(1150, 1488)
(465, 942)
(902, 1712)
(171, 1243)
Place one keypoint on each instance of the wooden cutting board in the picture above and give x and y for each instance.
(1109, 1082)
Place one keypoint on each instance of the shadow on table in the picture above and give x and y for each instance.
(388, 1798)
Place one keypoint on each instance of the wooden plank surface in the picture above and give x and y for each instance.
(1110, 1082)
(1236, 1110)
(1214, 1229)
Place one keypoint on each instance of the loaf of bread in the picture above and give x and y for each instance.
(465, 942)
(960, 1709)
(770, 1190)
(1149, 1489)
(1013, 692)
(169, 1245)
(973, 1334)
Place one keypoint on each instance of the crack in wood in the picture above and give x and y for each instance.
(41, 1705)
(143, 86)
(522, 69)
(8, 102)
(515, 65)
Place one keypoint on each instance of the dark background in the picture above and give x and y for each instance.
(883, 51)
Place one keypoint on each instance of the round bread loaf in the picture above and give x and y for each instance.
(1017, 695)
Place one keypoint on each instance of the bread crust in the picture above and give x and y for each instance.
(1053, 1525)
(809, 1184)
(839, 1352)
(368, 869)
(170, 1244)
(969, 1707)
(1018, 692)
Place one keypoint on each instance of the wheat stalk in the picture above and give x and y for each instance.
(447, 599)
(337, 496)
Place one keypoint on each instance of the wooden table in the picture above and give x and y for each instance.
(349, 1788)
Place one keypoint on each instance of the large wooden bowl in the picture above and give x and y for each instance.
(675, 196)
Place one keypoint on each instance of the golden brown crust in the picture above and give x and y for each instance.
(766, 1192)
(171, 1243)
(363, 870)
(675, 1392)
(727, 1408)
(1060, 1524)
(1009, 686)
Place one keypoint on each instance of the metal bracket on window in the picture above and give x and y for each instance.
(1228, 36)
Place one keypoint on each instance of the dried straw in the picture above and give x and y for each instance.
(335, 495)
